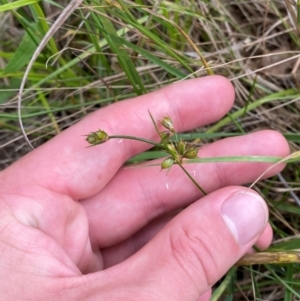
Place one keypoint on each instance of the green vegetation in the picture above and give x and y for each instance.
(112, 50)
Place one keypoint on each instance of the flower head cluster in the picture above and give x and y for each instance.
(177, 150)
(97, 137)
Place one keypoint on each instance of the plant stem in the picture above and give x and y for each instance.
(192, 179)
(162, 147)
(137, 139)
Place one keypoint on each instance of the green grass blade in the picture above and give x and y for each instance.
(255, 287)
(223, 286)
(288, 296)
(282, 95)
(8, 91)
(263, 159)
(16, 4)
(283, 282)
(71, 63)
(288, 245)
(230, 159)
(44, 26)
(123, 58)
(22, 55)
(154, 59)
(158, 42)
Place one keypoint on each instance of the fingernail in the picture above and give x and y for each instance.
(245, 214)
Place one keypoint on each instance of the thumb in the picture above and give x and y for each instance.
(197, 248)
(193, 251)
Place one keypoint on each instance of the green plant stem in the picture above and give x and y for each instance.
(137, 139)
(162, 147)
(192, 179)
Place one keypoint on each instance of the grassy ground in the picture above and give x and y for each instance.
(253, 43)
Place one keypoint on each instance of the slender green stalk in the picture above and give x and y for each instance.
(135, 138)
(283, 282)
(192, 179)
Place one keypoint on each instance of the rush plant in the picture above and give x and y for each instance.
(177, 151)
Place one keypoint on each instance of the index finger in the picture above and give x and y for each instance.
(67, 166)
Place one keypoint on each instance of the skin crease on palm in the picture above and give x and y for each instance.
(76, 225)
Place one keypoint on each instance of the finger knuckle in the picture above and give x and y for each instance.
(193, 252)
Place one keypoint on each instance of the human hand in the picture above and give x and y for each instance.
(75, 225)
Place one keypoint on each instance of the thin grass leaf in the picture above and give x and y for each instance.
(288, 296)
(249, 98)
(38, 110)
(158, 42)
(47, 109)
(283, 282)
(54, 3)
(223, 286)
(8, 91)
(36, 9)
(292, 136)
(16, 4)
(193, 136)
(147, 156)
(263, 159)
(288, 209)
(254, 283)
(157, 155)
(87, 53)
(22, 55)
(282, 95)
(154, 59)
(229, 159)
(30, 27)
(292, 156)
(290, 244)
(122, 56)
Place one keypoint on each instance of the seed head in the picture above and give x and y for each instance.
(98, 137)
(181, 147)
(165, 136)
(168, 123)
(191, 153)
(171, 147)
(167, 163)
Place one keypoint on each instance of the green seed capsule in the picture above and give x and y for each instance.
(167, 163)
(181, 147)
(191, 153)
(171, 147)
(165, 136)
(168, 123)
(98, 137)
